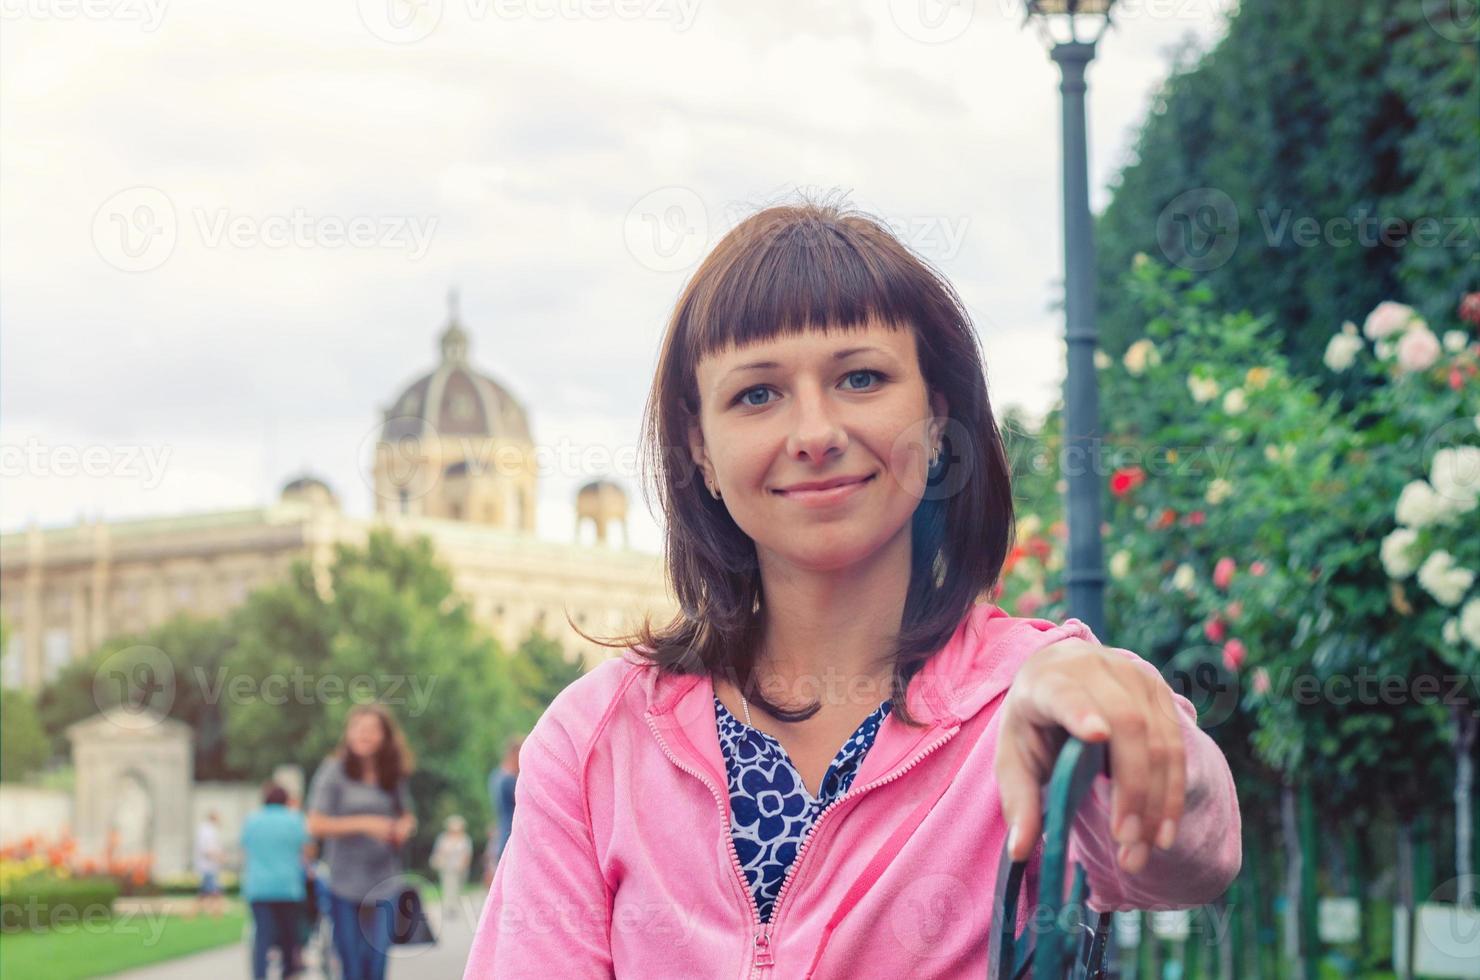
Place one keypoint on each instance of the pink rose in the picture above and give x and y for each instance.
(1214, 630)
(1261, 681)
(1418, 349)
(1388, 318)
(1234, 610)
(1223, 572)
(1258, 568)
(1233, 655)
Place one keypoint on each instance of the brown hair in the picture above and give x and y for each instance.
(782, 271)
(393, 760)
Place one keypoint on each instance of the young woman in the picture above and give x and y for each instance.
(811, 771)
(360, 802)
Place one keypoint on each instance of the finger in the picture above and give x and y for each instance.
(1176, 788)
(1070, 703)
(1130, 782)
(1018, 784)
(1158, 752)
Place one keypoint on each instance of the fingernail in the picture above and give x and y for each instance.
(1167, 834)
(1133, 856)
(1130, 830)
(1095, 725)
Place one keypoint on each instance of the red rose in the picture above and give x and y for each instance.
(1123, 481)
(1223, 572)
(1215, 630)
(1233, 654)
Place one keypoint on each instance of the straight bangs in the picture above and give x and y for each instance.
(782, 271)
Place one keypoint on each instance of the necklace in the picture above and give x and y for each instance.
(746, 705)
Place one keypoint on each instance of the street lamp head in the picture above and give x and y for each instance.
(1069, 21)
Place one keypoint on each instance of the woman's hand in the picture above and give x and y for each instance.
(1095, 694)
(403, 828)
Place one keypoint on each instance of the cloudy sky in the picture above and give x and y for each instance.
(228, 229)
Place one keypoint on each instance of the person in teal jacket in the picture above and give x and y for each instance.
(274, 840)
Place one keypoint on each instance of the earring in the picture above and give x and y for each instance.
(935, 457)
(713, 491)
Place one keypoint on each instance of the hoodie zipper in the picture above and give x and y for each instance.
(761, 931)
(796, 862)
(760, 934)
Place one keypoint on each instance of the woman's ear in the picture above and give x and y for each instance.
(697, 451)
(940, 409)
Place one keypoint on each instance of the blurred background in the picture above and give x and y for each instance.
(325, 333)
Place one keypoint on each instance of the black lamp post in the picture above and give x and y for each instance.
(1071, 28)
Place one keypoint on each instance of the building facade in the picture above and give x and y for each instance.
(454, 462)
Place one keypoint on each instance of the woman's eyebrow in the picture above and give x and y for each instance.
(837, 356)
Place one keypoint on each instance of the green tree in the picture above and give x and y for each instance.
(23, 746)
(175, 668)
(1316, 116)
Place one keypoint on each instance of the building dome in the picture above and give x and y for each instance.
(455, 445)
(455, 398)
(309, 489)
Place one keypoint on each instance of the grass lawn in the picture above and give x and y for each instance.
(81, 950)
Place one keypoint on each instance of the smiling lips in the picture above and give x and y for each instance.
(824, 492)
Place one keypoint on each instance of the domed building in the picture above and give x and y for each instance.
(455, 444)
(454, 462)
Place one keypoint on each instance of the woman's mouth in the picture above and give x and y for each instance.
(824, 498)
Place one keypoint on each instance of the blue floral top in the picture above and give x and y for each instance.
(771, 809)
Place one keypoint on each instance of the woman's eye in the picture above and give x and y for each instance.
(866, 373)
(744, 396)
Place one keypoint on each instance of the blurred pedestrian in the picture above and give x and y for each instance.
(274, 844)
(452, 853)
(360, 802)
(501, 794)
(208, 859)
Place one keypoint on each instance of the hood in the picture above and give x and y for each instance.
(965, 675)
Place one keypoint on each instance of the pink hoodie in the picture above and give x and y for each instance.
(620, 863)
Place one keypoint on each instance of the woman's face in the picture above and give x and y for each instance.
(822, 406)
(363, 735)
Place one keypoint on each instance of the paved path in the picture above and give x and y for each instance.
(444, 960)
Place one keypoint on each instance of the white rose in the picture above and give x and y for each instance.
(1385, 349)
(1455, 476)
(1203, 389)
(1184, 578)
(1120, 564)
(1397, 553)
(1341, 351)
(1455, 340)
(1450, 632)
(1218, 491)
(1387, 318)
(1443, 579)
(1029, 526)
(1102, 360)
(1235, 402)
(1140, 355)
(1418, 505)
(1469, 622)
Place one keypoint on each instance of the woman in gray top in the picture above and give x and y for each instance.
(360, 804)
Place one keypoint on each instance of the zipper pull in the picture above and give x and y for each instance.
(763, 946)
